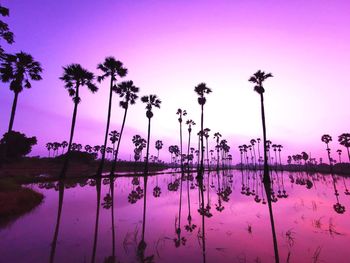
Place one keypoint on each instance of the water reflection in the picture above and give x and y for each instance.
(178, 219)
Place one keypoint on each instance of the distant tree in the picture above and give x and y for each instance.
(75, 76)
(114, 137)
(181, 113)
(159, 146)
(344, 139)
(19, 69)
(49, 146)
(217, 137)
(88, 148)
(206, 135)
(339, 154)
(128, 91)
(110, 68)
(151, 101)
(326, 138)
(64, 145)
(56, 146)
(202, 89)
(16, 144)
(190, 123)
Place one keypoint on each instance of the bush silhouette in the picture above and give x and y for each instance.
(15, 145)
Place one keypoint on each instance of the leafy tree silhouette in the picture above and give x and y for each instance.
(159, 146)
(151, 101)
(127, 91)
(5, 32)
(19, 69)
(202, 89)
(111, 68)
(75, 76)
(344, 139)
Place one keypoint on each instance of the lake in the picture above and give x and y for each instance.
(121, 221)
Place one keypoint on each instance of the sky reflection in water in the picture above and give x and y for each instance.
(237, 228)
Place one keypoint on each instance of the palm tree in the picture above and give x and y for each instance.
(114, 137)
(128, 91)
(151, 101)
(252, 142)
(19, 69)
(258, 78)
(190, 123)
(201, 89)
(159, 146)
(206, 135)
(88, 148)
(344, 139)
(339, 153)
(217, 137)
(326, 138)
(49, 146)
(64, 144)
(111, 68)
(181, 113)
(75, 77)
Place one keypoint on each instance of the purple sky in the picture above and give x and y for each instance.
(171, 46)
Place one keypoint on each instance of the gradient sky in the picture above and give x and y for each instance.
(171, 46)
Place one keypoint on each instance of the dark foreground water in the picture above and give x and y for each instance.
(89, 222)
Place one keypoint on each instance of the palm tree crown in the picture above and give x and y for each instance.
(127, 90)
(151, 101)
(258, 78)
(75, 76)
(111, 68)
(202, 89)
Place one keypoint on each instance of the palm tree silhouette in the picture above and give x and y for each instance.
(339, 154)
(217, 137)
(159, 146)
(190, 123)
(114, 137)
(49, 146)
(98, 199)
(252, 142)
(19, 69)
(151, 101)
(181, 113)
(75, 77)
(258, 78)
(206, 135)
(326, 138)
(201, 89)
(64, 145)
(128, 91)
(111, 68)
(344, 139)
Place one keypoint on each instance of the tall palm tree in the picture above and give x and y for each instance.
(217, 137)
(258, 78)
(75, 76)
(110, 68)
(326, 138)
(202, 89)
(252, 142)
(49, 146)
(19, 69)
(190, 123)
(206, 135)
(151, 101)
(344, 139)
(114, 137)
(181, 113)
(159, 146)
(127, 91)
(64, 145)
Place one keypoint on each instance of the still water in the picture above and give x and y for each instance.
(121, 221)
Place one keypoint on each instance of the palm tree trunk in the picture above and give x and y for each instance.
(266, 178)
(202, 145)
(98, 190)
(118, 144)
(60, 204)
(347, 148)
(13, 111)
(66, 159)
(147, 151)
(100, 168)
(182, 167)
(188, 150)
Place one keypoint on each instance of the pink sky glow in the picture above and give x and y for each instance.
(171, 46)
